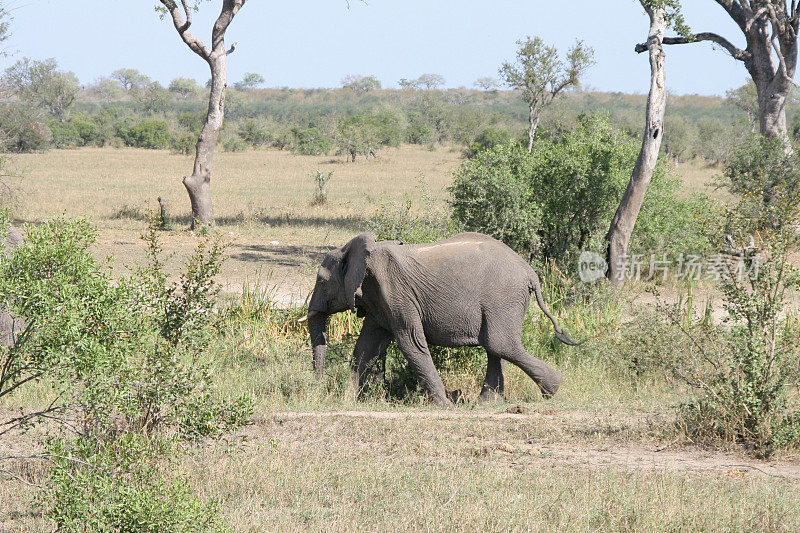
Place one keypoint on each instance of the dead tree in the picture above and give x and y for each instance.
(619, 234)
(770, 30)
(198, 185)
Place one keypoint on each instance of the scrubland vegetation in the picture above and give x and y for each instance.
(162, 381)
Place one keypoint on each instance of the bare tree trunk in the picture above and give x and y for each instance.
(198, 185)
(533, 123)
(619, 234)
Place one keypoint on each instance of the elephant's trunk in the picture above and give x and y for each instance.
(317, 323)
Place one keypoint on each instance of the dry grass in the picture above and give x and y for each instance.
(262, 201)
(589, 460)
(474, 474)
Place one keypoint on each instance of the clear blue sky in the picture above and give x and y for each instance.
(315, 43)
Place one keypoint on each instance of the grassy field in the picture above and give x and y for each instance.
(603, 455)
(262, 202)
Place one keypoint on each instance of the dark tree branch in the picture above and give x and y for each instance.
(738, 11)
(737, 53)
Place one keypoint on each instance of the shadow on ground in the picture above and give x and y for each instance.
(289, 256)
(350, 223)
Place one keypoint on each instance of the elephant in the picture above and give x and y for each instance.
(468, 290)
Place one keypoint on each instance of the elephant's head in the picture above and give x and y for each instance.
(338, 285)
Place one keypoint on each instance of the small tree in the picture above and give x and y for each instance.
(408, 85)
(746, 99)
(541, 75)
(361, 84)
(250, 80)
(487, 83)
(184, 87)
(41, 83)
(130, 79)
(106, 89)
(5, 27)
(430, 82)
(198, 185)
(152, 99)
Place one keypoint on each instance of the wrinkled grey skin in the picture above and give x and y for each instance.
(10, 326)
(469, 290)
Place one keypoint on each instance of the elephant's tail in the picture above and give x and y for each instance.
(560, 333)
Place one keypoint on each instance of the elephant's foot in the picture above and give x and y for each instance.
(441, 401)
(489, 394)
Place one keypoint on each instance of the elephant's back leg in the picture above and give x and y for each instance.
(503, 339)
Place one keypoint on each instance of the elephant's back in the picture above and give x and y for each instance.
(472, 255)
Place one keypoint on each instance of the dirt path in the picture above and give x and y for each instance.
(523, 453)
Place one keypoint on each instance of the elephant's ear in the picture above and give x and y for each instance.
(354, 265)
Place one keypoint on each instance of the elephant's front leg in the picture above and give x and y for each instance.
(371, 345)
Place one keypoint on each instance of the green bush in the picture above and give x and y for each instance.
(364, 134)
(489, 138)
(310, 141)
(23, 129)
(746, 373)
(250, 132)
(234, 144)
(183, 143)
(559, 199)
(123, 360)
(149, 133)
(118, 486)
(192, 121)
(398, 222)
(759, 167)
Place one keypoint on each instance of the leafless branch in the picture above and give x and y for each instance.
(737, 53)
(182, 25)
(738, 11)
(20, 479)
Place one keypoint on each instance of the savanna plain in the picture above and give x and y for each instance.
(606, 453)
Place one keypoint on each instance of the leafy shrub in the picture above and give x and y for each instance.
(759, 167)
(744, 377)
(558, 199)
(321, 180)
(183, 143)
(22, 129)
(78, 130)
(149, 133)
(124, 361)
(234, 144)
(118, 486)
(310, 141)
(397, 222)
(250, 132)
(364, 134)
(192, 121)
(489, 138)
